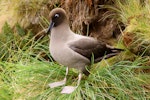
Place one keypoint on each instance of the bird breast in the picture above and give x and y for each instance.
(66, 56)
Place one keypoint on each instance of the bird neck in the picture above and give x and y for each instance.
(61, 33)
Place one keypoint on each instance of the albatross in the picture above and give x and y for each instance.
(74, 50)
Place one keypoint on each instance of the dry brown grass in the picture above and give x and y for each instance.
(92, 18)
(135, 15)
(87, 17)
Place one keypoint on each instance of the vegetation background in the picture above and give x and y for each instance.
(26, 67)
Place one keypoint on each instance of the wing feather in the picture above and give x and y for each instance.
(87, 47)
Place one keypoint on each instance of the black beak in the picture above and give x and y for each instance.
(50, 27)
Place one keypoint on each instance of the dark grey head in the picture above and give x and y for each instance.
(57, 17)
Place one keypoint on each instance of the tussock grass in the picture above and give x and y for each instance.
(17, 45)
(24, 12)
(135, 15)
(29, 14)
(29, 81)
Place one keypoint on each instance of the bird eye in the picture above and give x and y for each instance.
(56, 15)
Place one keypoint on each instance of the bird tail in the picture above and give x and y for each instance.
(112, 52)
(115, 50)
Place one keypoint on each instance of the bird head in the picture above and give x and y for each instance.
(57, 17)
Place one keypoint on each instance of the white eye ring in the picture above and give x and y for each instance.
(56, 15)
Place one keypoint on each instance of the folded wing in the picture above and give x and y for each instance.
(88, 47)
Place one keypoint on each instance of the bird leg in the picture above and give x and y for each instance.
(59, 83)
(70, 89)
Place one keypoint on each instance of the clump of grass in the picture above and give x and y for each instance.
(29, 14)
(92, 19)
(24, 12)
(135, 15)
(17, 44)
(30, 80)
